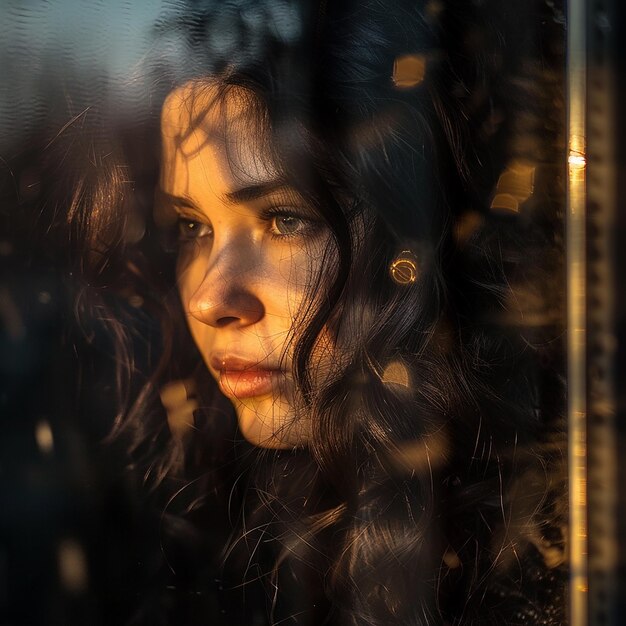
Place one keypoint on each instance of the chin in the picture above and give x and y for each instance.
(268, 423)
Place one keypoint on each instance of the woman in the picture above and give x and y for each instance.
(319, 193)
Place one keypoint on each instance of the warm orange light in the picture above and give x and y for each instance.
(44, 437)
(404, 269)
(178, 405)
(515, 185)
(577, 160)
(467, 225)
(505, 202)
(409, 70)
(72, 564)
(396, 373)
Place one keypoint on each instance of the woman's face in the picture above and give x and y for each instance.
(250, 249)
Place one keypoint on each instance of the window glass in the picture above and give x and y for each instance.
(284, 312)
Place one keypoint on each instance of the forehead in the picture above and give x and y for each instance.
(223, 131)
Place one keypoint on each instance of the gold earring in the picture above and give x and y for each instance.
(403, 268)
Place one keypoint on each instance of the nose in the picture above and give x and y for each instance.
(226, 294)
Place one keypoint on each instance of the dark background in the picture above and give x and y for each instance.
(606, 352)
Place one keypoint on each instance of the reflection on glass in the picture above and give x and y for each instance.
(287, 279)
(577, 409)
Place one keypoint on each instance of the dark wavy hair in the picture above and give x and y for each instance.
(432, 488)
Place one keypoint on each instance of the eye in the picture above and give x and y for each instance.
(190, 229)
(287, 225)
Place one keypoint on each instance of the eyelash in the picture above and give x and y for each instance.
(188, 235)
(269, 215)
(309, 228)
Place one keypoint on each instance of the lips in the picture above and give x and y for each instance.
(244, 378)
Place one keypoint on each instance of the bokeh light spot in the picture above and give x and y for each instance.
(72, 566)
(466, 226)
(396, 373)
(515, 186)
(505, 202)
(409, 70)
(135, 301)
(44, 437)
(44, 297)
(179, 406)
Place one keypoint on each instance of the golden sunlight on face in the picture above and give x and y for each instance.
(249, 249)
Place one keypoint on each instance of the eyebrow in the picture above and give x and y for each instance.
(248, 193)
(254, 192)
(182, 201)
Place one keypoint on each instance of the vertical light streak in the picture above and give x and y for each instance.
(576, 317)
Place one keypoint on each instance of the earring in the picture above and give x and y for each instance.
(403, 268)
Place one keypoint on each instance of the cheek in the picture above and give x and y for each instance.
(187, 282)
(295, 282)
(287, 287)
(326, 363)
(188, 272)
